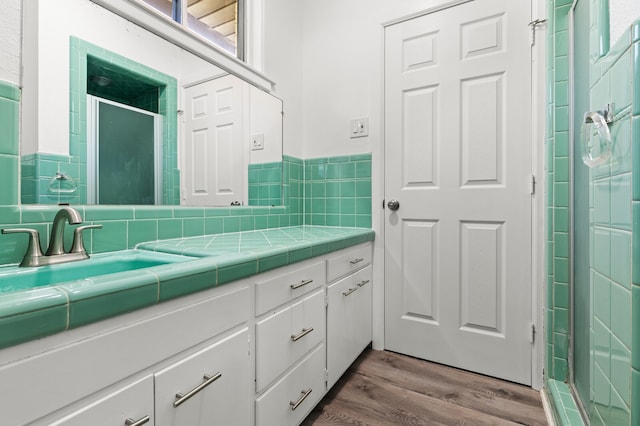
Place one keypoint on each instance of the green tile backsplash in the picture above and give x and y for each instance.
(265, 184)
(338, 191)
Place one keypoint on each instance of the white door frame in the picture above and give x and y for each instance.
(538, 222)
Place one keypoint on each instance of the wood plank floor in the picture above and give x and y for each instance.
(385, 388)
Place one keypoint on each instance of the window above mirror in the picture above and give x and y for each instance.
(220, 22)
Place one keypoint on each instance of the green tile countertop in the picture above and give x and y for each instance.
(216, 259)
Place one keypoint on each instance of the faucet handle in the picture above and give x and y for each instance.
(34, 251)
(78, 246)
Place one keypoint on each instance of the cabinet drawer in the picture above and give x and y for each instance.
(284, 403)
(225, 400)
(347, 261)
(133, 401)
(348, 322)
(286, 336)
(283, 287)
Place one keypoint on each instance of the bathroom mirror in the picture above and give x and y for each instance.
(114, 114)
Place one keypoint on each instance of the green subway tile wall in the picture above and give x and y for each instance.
(47, 179)
(338, 191)
(615, 220)
(265, 184)
(9, 139)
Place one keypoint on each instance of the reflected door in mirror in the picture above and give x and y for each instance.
(214, 172)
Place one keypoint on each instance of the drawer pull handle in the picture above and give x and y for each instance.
(142, 421)
(356, 261)
(303, 395)
(180, 397)
(348, 292)
(303, 333)
(300, 284)
(363, 283)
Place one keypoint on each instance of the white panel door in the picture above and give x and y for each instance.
(213, 165)
(458, 160)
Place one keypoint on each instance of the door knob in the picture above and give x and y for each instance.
(393, 205)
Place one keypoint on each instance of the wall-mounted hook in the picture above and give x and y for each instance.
(606, 113)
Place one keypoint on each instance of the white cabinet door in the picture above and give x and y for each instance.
(218, 379)
(348, 322)
(286, 336)
(133, 403)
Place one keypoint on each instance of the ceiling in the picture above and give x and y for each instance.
(219, 15)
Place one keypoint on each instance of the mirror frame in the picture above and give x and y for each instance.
(144, 16)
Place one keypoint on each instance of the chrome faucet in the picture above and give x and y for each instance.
(55, 252)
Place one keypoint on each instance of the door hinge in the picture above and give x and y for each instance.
(326, 298)
(532, 334)
(532, 184)
(534, 25)
(382, 204)
(326, 376)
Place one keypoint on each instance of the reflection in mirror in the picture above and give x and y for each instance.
(216, 139)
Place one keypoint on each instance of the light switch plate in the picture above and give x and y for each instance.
(359, 127)
(257, 142)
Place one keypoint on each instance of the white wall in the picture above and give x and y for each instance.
(282, 61)
(10, 24)
(622, 14)
(265, 117)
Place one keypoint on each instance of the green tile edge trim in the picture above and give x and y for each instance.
(9, 91)
(64, 310)
(564, 409)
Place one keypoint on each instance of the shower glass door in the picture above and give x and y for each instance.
(123, 154)
(581, 283)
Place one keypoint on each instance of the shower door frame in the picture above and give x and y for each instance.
(93, 117)
(572, 209)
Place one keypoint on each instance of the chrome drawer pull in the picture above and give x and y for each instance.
(303, 333)
(303, 395)
(363, 283)
(131, 422)
(348, 292)
(180, 397)
(355, 261)
(300, 284)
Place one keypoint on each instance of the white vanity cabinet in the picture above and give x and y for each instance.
(131, 405)
(208, 387)
(348, 322)
(259, 351)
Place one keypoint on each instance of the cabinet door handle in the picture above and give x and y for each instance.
(356, 261)
(140, 422)
(180, 397)
(348, 292)
(303, 395)
(303, 333)
(300, 284)
(363, 283)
